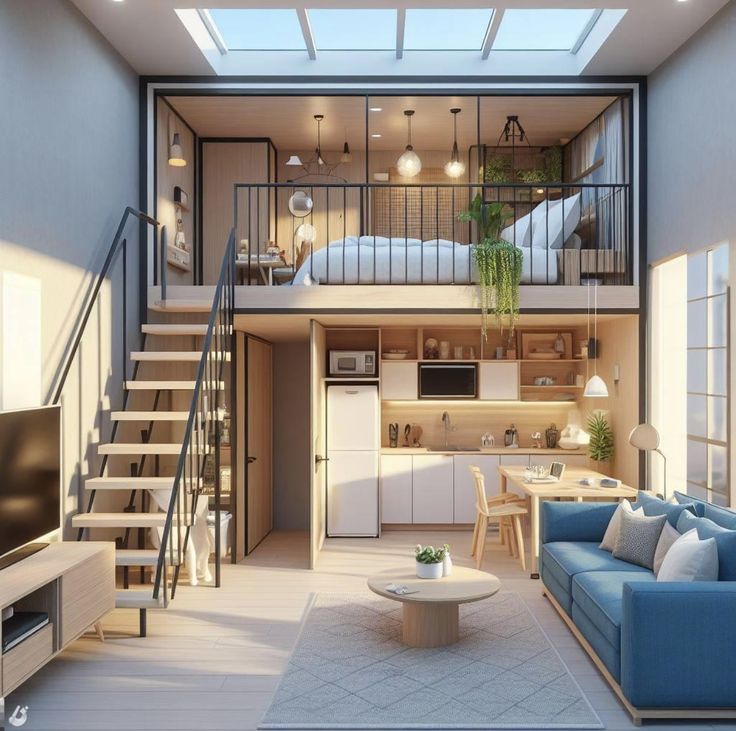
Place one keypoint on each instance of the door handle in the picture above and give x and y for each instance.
(250, 460)
(319, 458)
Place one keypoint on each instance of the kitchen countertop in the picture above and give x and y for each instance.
(482, 450)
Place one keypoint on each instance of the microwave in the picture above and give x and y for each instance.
(352, 362)
(447, 381)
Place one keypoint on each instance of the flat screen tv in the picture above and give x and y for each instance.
(30, 479)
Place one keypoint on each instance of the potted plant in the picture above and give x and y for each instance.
(499, 264)
(600, 448)
(430, 561)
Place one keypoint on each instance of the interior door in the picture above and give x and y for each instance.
(317, 439)
(259, 441)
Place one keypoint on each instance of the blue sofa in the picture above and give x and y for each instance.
(666, 645)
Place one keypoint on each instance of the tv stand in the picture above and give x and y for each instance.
(74, 583)
(20, 554)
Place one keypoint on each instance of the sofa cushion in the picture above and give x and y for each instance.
(725, 542)
(610, 655)
(556, 589)
(655, 506)
(564, 560)
(600, 595)
(721, 516)
(699, 504)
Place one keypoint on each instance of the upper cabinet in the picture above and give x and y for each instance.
(399, 381)
(499, 381)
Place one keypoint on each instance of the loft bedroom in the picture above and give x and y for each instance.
(325, 193)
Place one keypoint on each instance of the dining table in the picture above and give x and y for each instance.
(569, 486)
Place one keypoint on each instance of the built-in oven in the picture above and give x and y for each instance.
(448, 381)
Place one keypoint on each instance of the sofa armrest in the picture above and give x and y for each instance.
(575, 521)
(677, 644)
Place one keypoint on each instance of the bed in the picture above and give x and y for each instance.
(379, 260)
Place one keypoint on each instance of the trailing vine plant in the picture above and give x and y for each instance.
(498, 262)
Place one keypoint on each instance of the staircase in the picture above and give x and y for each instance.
(160, 467)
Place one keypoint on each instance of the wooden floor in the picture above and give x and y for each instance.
(213, 660)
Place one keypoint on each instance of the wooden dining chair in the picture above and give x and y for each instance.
(506, 510)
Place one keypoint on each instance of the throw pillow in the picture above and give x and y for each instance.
(655, 506)
(683, 499)
(519, 232)
(690, 559)
(637, 540)
(725, 542)
(614, 525)
(666, 539)
(553, 224)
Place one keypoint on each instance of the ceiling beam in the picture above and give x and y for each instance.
(307, 33)
(213, 30)
(493, 26)
(586, 31)
(400, 28)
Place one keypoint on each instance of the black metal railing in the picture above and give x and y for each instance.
(378, 233)
(198, 466)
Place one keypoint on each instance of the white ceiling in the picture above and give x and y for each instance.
(289, 122)
(149, 35)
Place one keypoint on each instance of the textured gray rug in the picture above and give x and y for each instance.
(349, 670)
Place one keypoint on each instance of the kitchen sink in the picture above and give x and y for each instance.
(453, 448)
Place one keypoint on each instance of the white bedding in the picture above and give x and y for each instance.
(376, 260)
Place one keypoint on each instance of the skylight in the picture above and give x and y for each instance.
(542, 29)
(259, 30)
(353, 30)
(461, 29)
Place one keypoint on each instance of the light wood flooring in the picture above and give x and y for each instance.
(213, 659)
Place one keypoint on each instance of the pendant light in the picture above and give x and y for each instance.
(596, 386)
(455, 167)
(176, 153)
(409, 163)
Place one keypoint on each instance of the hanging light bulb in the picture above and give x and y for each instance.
(454, 167)
(409, 163)
(596, 386)
(346, 156)
(176, 153)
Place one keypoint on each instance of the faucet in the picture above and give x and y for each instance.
(446, 422)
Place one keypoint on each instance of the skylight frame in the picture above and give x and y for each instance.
(220, 34)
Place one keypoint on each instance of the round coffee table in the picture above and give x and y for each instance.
(431, 614)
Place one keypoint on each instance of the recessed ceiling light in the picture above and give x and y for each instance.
(376, 136)
(376, 109)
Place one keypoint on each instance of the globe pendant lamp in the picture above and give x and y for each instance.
(596, 386)
(409, 163)
(455, 167)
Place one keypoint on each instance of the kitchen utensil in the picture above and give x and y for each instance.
(393, 435)
(407, 432)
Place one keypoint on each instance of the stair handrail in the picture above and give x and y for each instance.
(203, 415)
(117, 243)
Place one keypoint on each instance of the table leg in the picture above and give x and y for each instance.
(535, 537)
(430, 624)
(264, 276)
(502, 488)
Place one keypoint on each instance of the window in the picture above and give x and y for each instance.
(707, 375)
(544, 29)
(461, 29)
(259, 30)
(353, 30)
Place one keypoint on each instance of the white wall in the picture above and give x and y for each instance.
(69, 152)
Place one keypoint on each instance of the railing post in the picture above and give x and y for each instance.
(162, 262)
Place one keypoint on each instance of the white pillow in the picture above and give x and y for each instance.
(614, 525)
(519, 233)
(690, 559)
(347, 241)
(550, 222)
(667, 538)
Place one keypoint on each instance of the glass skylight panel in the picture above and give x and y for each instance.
(353, 30)
(542, 29)
(445, 29)
(251, 29)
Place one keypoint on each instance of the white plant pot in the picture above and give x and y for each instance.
(429, 570)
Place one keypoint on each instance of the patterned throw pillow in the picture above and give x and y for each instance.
(637, 540)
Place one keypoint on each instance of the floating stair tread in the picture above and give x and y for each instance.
(149, 415)
(121, 520)
(137, 599)
(136, 557)
(191, 356)
(165, 328)
(181, 305)
(133, 483)
(166, 385)
(150, 448)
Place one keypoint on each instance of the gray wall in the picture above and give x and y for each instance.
(692, 143)
(69, 159)
(291, 436)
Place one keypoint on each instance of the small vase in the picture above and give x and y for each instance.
(447, 565)
(429, 570)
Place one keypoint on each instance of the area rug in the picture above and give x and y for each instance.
(349, 670)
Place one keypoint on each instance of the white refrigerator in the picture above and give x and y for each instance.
(353, 441)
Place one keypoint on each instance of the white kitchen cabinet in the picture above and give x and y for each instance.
(396, 488)
(499, 381)
(399, 381)
(464, 498)
(432, 488)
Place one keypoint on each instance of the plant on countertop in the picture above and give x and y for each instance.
(430, 554)
(600, 448)
(499, 264)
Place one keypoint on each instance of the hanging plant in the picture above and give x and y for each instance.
(601, 437)
(531, 177)
(497, 170)
(553, 164)
(499, 264)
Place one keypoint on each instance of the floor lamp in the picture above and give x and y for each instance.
(646, 439)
